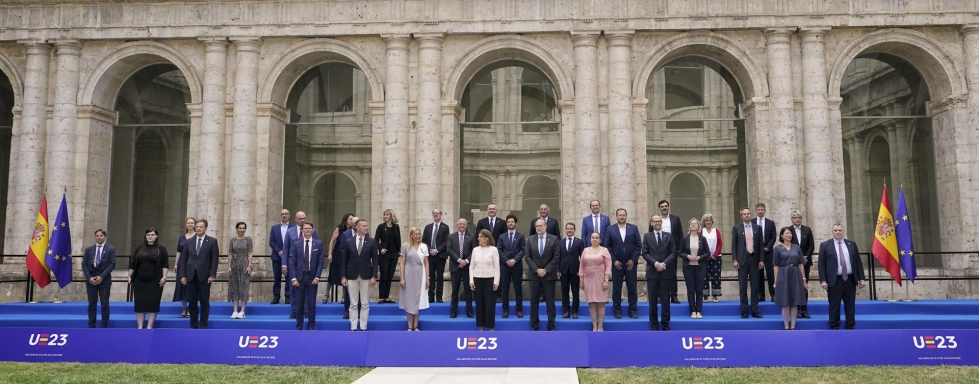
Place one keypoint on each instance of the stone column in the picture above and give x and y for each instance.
(451, 158)
(784, 133)
(365, 188)
(895, 181)
(858, 181)
(62, 139)
(395, 165)
(640, 137)
(970, 38)
(824, 168)
(244, 144)
(428, 154)
(587, 132)
(622, 164)
(210, 174)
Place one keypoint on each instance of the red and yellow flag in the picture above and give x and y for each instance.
(885, 240)
(39, 244)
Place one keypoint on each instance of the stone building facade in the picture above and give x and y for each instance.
(146, 113)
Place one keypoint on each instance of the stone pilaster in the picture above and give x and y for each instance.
(244, 143)
(823, 166)
(588, 166)
(784, 136)
(394, 171)
(428, 154)
(970, 40)
(622, 164)
(62, 143)
(211, 182)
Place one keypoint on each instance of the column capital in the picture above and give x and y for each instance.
(621, 37)
(813, 34)
(833, 103)
(36, 47)
(214, 44)
(781, 35)
(247, 44)
(969, 29)
(389, 37)
(433, 36)
(585, 38)
(68, 46)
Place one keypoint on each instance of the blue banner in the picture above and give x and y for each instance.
(245, 346)
(478, 349)
(75, 345)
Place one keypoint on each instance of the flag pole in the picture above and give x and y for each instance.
(57, 298)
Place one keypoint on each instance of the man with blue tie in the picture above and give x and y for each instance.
(840, 273)
(659, 251)
(294, 234)
(511, 246)
(359, 259)
(97, 265)
(623, 242)
(305, 269)
(279, 242)
(746, 249)
(567, 271)
(595, 222)
(542, 256)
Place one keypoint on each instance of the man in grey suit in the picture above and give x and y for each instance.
(542, 259)
(659, 251)
(460, 250)
(197, 272)
(97, 265)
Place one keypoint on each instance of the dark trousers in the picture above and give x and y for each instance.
(695, 276)
(570, 285)
(97, 293)
(673, 285)
(485, 302)
(807, 267)
(514, 274)
(535, 289)
(436, 268)
(387, 266)
(276, 280)
(847, 292)
(630, 278)
(769, 277)
(749, 273)
(306, 297)
(198, 291)
(460, 285)
(658, 288)
(712, 284)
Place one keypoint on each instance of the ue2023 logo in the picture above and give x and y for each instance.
(935, 342)
(265, 342)
(48, 339)
(702, 342)
(475, 343)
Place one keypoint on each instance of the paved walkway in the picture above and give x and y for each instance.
(470, 376)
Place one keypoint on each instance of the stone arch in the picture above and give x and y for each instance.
(944, 78)
(507, 47)
(107, 77)
(868, 141)
(345, 173)
(693, 172)
(714, 46)
(158, 132)
(16, 82)
(302, 56)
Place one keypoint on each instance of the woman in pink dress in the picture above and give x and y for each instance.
(595, 270)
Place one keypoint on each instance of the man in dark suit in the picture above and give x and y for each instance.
(358, 264)
(342, 238)
(279, 242)
(511, 247)
(294, 234)
(197, 272)
(671, 226)
(97, 264)
(840, 272)
(552, 224)
(746, 255)
(542, 256)
(460, 250)
(802, 236)
(305, 269)
(492, 223)
(595, 222)
(567, 271)
(624, 243)
(659, 251)
(768, 231)
(435, 237)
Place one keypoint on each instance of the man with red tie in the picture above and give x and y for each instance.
(840, 273)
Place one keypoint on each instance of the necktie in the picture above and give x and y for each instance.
(659, 238)
(761, 224)
(308, 256)
(839, 252)
(462, 239)
(569, 243)
(435, 231)
(511, 238)
(748, 238)
(540, 246)
(595, 224)
(98, 255)
(492, 220)
(199, 241)
(360, 244)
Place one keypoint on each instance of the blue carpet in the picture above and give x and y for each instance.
(725, 315)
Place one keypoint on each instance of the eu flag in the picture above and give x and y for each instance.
(59, 249)
(905, 245)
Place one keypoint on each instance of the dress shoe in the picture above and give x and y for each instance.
(324, 300)
(346, 314)
(439, 300)
(299, 327)
(574, 315)
(566, 315)
(756, 315)
(310, 327)
(275, 300)
(91, 325)
(452, 315)
(618, 313)
(805, 315)
(633, 314)
(469, 313)
(744, 315)
(533, 328)
(506, 313)
(654, 326)
(666, 327)
(203, 327)
(292, 315)
(675, 300)
(287, 299)
(519, 314)
(550, 327)
(714, 299)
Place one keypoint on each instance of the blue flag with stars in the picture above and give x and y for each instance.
(905, 246)
(59, 249)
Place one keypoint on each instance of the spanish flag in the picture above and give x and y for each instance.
(39, 245)
(885, 240)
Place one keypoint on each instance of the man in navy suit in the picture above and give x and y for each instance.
(623, 242)
(746, 255)
(435, 237)
(542, 256)
(305, 269)
(840, 272)
(358, 263)
(294, 234)
(197, 272)
(552, 224)
(279, 242)
(511, 247)
(659, 251)
(802, 236)
(768, 238)
(97, 264)
(567, 271)
(671, 226)
(595, 222)
(491, 223)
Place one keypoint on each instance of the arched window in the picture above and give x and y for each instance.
(687, 197)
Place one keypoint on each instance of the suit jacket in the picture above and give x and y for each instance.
(659, 252)
(570, 259)
(552, 226)
(499, 227)
(807, 244)
(588, 227)
(623, 251)
(294, 234)
(106, 265)
(201, 264)
(297, 259)
(361, 265)
(769, 236)
(684, 250)
(441, 239)
(276, 243)
(739, 246)
(676, 229)
(547, 258)
(453, 250)
(829, 261)
(511, 250)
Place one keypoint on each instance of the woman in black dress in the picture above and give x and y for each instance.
(388, 237)
(179, 293)
(333, 280)
(147, 275)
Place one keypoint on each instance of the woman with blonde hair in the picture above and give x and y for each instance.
(388, 237)
(414, 277)
(712, 284)
(694, 252)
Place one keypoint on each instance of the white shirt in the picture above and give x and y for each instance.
(711, 239)
(284, 228)
(667, 226)
(846, 257)
(596, 221)
(798, 234)
(761, 223)
(360, 242)
(622, 232)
